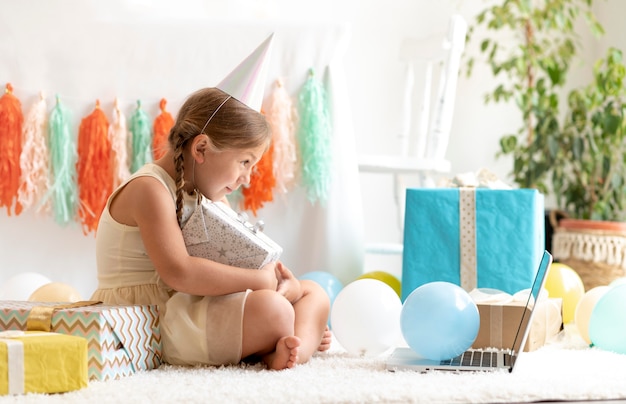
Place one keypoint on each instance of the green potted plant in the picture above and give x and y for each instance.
(577, 154)
(530, 47)
(589, 176)
(589, 167)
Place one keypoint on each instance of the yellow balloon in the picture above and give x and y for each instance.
(55, 292)
(386, 278)
(585, 308)
(562, 281)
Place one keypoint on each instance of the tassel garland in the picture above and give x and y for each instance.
(281, 115)
(162, 125)
(141, 138)
(45, 166)
(34, 159)
(11, 121)
(62, 165)
(314, 136)
(95, 177)
(118, 136)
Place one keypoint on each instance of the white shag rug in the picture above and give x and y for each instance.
(564, 369)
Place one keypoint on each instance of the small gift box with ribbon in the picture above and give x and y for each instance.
(121, 339)
(472, 235)
(216, 232)
(41, 362)
(501, 315)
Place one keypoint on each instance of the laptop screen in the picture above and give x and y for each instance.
(540, 277)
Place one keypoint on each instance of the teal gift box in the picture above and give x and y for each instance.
(472, 237)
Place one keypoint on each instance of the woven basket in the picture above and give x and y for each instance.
(596, 250)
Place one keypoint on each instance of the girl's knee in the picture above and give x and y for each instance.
(268, 316)
(310, 286)
(315, 291)
(270, 306)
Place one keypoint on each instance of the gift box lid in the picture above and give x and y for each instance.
(216, 232)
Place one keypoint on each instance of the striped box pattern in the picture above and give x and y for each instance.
(121, 339)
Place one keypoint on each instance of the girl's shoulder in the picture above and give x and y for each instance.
(152, 170)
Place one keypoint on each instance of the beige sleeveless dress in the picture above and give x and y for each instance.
(194, 329)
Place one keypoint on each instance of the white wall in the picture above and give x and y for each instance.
(33, 243)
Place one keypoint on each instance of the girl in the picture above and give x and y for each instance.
(210, 313)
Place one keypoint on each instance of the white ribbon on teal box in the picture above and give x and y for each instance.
(509, 238)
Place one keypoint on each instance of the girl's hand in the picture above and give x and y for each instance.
(288, 284)
(269, 271)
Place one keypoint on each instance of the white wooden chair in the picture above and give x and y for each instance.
(426, 130)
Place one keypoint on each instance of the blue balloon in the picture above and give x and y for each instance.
(439, 320)
(327, 281)
(617, 282)
(607, 324)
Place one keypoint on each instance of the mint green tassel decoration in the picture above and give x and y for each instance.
(140, 131)
(63, 190)
(314, 139)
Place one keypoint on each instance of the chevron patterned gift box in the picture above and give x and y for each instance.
(121, 339)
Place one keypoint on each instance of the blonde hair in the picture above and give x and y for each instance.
(233, 126)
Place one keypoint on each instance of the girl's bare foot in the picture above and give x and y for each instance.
(327, 338)
(286, 354)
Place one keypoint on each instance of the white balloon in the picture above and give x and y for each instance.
(365, 317)
(21, 286)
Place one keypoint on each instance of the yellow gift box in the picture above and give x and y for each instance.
(41, 362)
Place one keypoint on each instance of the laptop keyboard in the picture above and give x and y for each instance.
(473, 358)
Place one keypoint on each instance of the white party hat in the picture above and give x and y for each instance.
(248, 80)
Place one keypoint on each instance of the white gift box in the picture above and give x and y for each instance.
(216, 232)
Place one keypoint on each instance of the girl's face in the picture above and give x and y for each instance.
(223, 172)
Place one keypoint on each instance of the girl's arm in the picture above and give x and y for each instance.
(154, 212)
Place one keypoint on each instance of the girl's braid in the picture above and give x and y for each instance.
(180, 180)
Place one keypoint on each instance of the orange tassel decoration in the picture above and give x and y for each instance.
(162, 125)
(11, 121)
(262, 181)
(94, 168)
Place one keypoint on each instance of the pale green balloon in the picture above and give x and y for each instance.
(607, 325)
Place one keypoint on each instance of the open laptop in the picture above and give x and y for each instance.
(476, 359)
